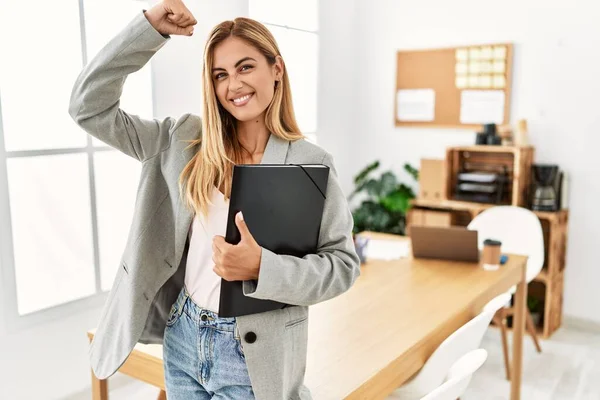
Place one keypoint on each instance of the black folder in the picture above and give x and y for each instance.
(283, 207)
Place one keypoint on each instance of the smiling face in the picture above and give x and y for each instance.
(243, 79)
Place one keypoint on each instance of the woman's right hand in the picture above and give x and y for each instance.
(171, 17)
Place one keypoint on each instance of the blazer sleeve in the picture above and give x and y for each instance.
(315, 277)
(95, 97)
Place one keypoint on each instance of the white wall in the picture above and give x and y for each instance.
(555, 87)
(337, 73)
(50, 360)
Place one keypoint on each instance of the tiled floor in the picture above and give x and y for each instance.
(567, 369)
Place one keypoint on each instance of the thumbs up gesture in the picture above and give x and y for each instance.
(238, 262)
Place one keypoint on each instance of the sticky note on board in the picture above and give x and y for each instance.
(474, 67)
(486, 53)
(498, 82)
(500, 52)
(499, 67)
(461, 82)
(485, 67)
(485, 81)
(462, 55)
(461, 68)
(473, 81)
(474, 53)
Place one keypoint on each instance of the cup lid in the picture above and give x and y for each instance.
(492, 242)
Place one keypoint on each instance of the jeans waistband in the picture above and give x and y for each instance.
(203, 316)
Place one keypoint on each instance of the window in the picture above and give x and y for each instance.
(66, 199)
(295, 27)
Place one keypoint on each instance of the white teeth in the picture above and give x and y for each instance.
(242, 99)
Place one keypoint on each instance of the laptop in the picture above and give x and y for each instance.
(447, 243)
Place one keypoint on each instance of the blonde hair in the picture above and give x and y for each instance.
(212, 165)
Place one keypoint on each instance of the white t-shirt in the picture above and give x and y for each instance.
(203, 284)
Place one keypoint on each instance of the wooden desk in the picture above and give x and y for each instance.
(368, 341)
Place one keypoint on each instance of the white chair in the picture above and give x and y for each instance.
(459, 376)
(520, 232)
(465, 339)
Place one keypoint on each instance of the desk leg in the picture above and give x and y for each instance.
(99, 388)
(518, 331)
(162, 395)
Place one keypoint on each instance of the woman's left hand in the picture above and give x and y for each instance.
(238, 262)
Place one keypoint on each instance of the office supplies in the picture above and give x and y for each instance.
(451, 243)
(432, 179)
(378, 249)
(506, 170)
(282, 206)
(360, 245)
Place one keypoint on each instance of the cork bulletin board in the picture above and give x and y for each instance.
(459, 87)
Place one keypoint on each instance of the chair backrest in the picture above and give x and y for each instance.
(519, 230)
(459, 376)
(465, 339)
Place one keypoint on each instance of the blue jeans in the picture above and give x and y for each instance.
(202, 355)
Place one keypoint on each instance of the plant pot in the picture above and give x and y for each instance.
(537, 318)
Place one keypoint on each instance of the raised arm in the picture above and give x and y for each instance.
(95, 97)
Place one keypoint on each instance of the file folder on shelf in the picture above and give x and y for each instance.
(283, 207)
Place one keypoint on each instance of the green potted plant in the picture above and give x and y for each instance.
(387, 200)
(534, 304)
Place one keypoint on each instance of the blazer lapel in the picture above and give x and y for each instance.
(276, 150)
(275, 153)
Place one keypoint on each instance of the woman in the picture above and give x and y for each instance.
(167, 289)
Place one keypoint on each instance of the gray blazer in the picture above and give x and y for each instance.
(152, 266)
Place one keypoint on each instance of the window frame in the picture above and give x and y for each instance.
(14, 322)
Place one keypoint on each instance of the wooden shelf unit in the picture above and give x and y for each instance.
(548, 285)
(516, 161)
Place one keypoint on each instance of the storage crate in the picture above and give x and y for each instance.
(514, 161)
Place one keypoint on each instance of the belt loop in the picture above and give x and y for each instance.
(236, 331)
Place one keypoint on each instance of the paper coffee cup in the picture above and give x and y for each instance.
(491, 254)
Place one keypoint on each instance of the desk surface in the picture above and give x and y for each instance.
(367, 341)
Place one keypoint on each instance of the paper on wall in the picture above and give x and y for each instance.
(415, 104)
(482, 106)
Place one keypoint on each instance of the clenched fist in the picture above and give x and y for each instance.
(171, 17)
